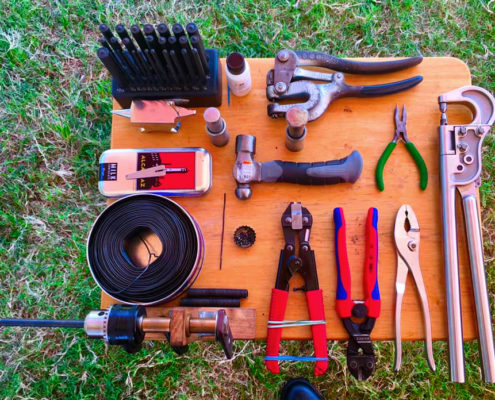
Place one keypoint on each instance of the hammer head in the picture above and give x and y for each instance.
(246, 170)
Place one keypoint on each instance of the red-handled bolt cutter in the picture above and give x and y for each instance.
(360, 354)
(296, 222)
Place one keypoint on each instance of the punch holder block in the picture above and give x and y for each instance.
(208, 96)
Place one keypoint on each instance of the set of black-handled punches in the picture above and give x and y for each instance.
(146, 249)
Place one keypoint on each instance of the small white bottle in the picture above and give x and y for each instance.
(238, 74)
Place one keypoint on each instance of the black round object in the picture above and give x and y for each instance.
(170, 274)
(359, 310)
(192, 29)
(235, 63)
(123, 327)
(244, 236)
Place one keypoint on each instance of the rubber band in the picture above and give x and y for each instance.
(290, 324)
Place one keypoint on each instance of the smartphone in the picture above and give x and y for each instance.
(169, 172)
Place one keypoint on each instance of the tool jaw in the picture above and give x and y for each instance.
(460, 149)
(461, 145)
(319, 96)
(296, 223)
(407, 241)
(400, 125)
(360, 354)
(480, 101)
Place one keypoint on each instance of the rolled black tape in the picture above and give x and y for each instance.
(170, 274)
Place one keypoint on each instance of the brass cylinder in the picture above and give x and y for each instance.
(162, 324)
(158, 324)
(202, 325)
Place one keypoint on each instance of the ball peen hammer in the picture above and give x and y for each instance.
(246, 170)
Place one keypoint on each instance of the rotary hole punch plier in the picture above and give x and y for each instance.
(289, 81)
(360, 354)
(296, 223)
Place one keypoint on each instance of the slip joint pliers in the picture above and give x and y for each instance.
(407, 235)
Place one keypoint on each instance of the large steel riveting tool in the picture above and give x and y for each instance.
(460, 169)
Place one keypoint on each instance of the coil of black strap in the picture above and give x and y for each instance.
(169, 274)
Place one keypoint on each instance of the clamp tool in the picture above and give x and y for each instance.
(360, 354)
(288, 80)
(460, 170)
(406, 234)
(401, 133)
(297, 222)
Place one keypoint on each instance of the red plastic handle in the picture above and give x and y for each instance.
(317, 313)
(278, 304)
(344, 302)
(371, 289)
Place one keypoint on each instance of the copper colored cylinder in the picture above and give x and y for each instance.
(162, 324)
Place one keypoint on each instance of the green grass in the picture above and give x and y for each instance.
(54, 123)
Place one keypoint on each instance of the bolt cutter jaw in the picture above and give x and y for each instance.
(360, 353)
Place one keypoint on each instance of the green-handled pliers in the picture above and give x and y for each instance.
(401, 133)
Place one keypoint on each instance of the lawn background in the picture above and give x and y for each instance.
(54, 123)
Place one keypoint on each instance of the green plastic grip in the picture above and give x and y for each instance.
(381, 164)
(423, 172)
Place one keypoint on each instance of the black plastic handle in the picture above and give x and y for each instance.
(347, 169)
(355, 67)
(387, 88)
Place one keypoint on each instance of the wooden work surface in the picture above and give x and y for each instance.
(350, 123)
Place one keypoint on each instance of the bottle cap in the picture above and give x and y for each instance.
(236, 63)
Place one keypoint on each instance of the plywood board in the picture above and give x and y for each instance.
(350, 123)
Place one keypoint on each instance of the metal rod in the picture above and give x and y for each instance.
(198, 64)
(106, 31)
(170, 66)
(139, 37)
(121, 31)
(197, 43)
(129, 45)
(454, 312)
(192, 29)
(475, 247)
(149, 30)
(115, 70)
(178, 30)
(163, 30)
(42, 323)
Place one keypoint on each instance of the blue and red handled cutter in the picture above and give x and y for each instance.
(297, 222)
(360, 354)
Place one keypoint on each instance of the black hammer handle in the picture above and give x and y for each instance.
(345, 170)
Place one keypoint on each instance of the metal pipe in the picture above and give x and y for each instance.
(454, 312)
(475, 247)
